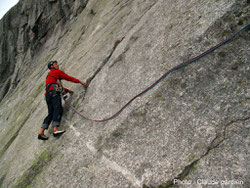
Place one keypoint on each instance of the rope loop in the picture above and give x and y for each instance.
(162, 77)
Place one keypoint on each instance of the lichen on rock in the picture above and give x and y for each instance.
(192, 126)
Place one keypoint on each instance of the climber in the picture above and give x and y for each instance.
(53, 93)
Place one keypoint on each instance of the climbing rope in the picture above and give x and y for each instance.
(161, 78)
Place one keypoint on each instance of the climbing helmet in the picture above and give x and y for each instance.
(50, 64)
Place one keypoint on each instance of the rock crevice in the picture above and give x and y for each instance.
(192, 125)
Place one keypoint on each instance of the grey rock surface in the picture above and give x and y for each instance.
(25, 28)
(191, 130)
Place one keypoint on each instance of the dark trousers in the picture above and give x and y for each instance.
(55, 110)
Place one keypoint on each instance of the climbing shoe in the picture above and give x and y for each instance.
(58, 133)
(42, 137)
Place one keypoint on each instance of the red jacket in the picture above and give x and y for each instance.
(58, 74)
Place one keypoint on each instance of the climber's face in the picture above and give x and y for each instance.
(55, 65)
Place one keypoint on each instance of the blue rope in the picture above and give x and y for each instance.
(164, 76)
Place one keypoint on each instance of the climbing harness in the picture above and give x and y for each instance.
(161, 78)
(58, 87)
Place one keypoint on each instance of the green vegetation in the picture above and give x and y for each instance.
(12, 134)
(157, 96)
(20, 117)
(37, 166)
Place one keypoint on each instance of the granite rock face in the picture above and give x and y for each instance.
(25, 28)
(191, 130)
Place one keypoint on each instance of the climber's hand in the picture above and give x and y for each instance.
(84, 84)
(71, 92)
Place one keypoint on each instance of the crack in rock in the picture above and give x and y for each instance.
(215, 143)
(104, 62)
